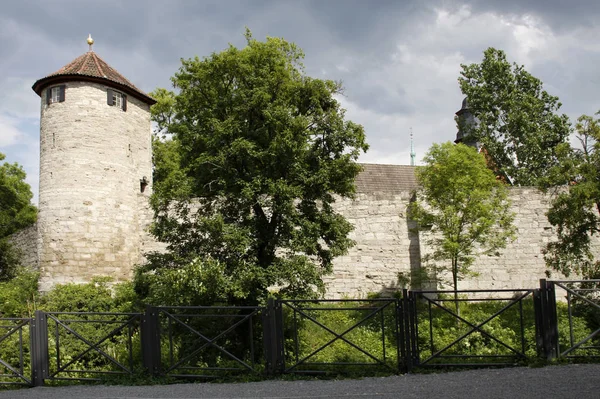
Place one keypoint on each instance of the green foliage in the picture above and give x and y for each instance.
(9, 260)
(108, 332)
(445, 331)
(441, 332)
(19, 296)
(95, 296)
(211, 341)
(18, 299)
(582, 323)
(576, 202)
(310, 344)
(518, 122)
(251, 154)
(461, 209)
(197, 282)
(16, 212)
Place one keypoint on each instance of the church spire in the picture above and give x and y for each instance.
(412, 149)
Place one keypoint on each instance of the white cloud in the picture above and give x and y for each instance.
(18, 100)
(9, 133)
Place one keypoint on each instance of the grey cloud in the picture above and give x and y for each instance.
(351, 40)
(559, 14)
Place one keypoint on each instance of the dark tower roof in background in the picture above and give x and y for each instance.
(90, 67)
(464, 108)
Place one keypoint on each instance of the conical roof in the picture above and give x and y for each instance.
(90, 67)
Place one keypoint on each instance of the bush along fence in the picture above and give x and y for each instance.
(420, 329)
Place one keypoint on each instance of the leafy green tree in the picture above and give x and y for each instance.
(247, 174)
(576, 203)
(16, 212)
(519, 125)
(461, 206)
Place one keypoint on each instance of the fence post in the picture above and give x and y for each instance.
(538, 310)
(272, 337)
(546, 319)
(404, 339)
(151, 341)
(413, 339)
(39, 348)
(554, 350)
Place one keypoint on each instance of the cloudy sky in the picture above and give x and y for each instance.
(399, 60)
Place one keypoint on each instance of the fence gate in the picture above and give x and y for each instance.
(86, 346)
(15, 346)
(576, 309)
(202, 341)
(497, 329)
(340, 331)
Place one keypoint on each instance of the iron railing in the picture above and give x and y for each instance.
(582, 301)
(15, 345)
(336, 330)
(88, 346)
(420, 329)
(492, 331)
(203, 341)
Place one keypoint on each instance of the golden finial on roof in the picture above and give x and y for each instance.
(90, 41)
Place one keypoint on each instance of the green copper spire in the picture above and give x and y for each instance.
(412, 149)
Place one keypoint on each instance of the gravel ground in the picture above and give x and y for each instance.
(570, 381)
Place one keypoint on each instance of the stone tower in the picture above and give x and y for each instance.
(95, 172)
(466, 121)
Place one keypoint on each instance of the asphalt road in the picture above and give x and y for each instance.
(570, 381)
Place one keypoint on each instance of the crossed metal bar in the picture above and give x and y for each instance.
(475, 328)
(336, 335)
(209, 341)
(593, 304)
(12, 330)
(92, 345)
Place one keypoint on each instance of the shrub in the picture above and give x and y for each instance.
(310, 346)
(76, 314)
(19, 296)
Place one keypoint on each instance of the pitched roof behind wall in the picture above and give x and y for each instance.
(386, 178)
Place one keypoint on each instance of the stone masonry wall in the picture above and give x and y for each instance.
(26, 241)
(387, 254)
(92, 157)
(384, 246)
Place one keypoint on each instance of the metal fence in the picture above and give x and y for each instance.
(15, 346)
(87, 346)
(318, 336)
(566, 336)
(202, 341)
(420, 329)
(472, 328)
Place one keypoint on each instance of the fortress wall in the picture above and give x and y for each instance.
(26, 241)
(148, 243)
(384, 246)
(386, 253)
(384, 258)
(521, 264)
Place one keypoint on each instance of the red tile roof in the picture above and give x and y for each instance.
(90, 67)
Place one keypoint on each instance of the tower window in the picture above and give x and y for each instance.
(116, 99)
(55, 94)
